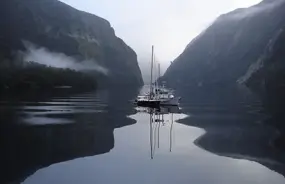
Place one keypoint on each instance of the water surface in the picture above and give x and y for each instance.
(100, 137)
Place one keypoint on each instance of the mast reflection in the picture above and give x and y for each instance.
(159, 118)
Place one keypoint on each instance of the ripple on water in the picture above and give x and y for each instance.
(57, 109)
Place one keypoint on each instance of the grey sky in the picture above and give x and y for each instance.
(168, 24)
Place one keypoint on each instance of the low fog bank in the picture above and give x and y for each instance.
(46, 57)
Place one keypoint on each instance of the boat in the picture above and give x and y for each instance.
(149, 99)
(145, 101)
(166, 97)
(173, 101)
(158, 95)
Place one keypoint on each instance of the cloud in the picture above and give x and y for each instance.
(43, 56)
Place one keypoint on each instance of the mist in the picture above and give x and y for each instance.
(46, 57)
(145, 66)
(168, 25)
(255, 10)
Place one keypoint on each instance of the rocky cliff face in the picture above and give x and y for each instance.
(268, 71)
(60, 28)
(225, 51)
(266, 76)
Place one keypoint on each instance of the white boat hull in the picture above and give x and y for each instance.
(171, 101)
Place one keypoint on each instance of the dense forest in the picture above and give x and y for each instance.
(33, 76)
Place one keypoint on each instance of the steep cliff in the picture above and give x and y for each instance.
(224, 52)
(268, 71)
(62, 29)
(267, 78)
(245, 46)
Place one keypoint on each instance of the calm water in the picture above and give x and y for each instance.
(100, 137)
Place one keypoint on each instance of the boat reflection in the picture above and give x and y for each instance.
(159, 118)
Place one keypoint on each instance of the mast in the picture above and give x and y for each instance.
(154, 76)
(158, 74)
(151, 68)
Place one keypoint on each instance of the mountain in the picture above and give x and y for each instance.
(267, 74)
(266, 77)
(61, 29)
(224, 52)
(245, 46)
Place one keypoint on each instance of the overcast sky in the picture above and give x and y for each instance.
(168, 24)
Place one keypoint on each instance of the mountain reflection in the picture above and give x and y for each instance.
(25, 148)
(236, 125)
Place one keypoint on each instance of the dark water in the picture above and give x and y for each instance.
(218, 136)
